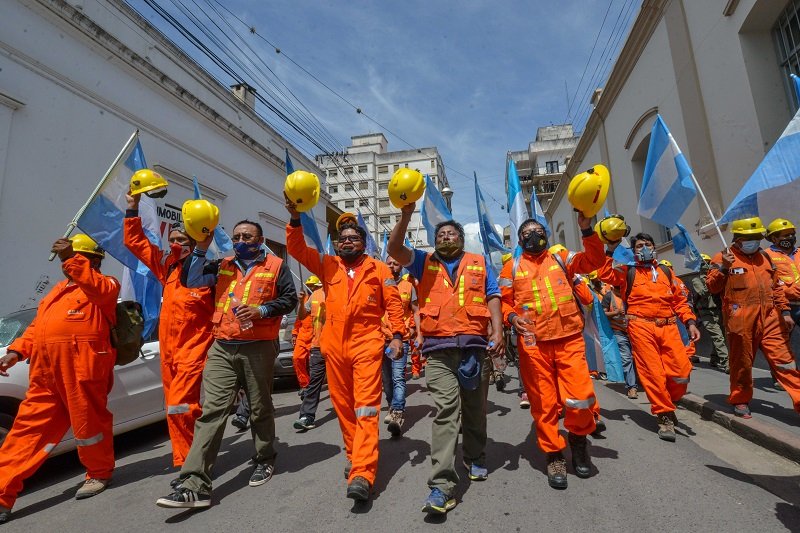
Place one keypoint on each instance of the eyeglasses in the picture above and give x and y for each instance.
(350, 238)
(242, 237)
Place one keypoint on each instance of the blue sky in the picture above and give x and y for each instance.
(473, 78)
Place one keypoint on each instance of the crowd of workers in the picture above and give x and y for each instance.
(360, 322)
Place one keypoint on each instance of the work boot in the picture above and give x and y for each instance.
(388, 417)
(556, 470)
(581, 461)
(358, 489)
(91, 487)
(599, 426)
(396, 422)
(5, 514)
(633, 393)
(666, 427)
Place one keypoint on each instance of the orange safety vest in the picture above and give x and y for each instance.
(788, 272)
(449, 308)
(544, 288)
(255, 288)
(315, 306)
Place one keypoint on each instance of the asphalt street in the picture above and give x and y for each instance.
(710, 480)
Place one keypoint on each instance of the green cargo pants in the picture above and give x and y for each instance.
(228, 367)
(453, 403)
(719, 351)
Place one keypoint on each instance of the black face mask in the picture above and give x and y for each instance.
(348, 256)
(535, 243)
(787, 243)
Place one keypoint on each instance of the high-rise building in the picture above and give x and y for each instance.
(358, 180)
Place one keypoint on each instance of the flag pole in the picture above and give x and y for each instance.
(710, 213)
(419, 223)
(74, 223)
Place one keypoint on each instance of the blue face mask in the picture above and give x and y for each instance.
(647, 254)
(245, 250)
(749, 247)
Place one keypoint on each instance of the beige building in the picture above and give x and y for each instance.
(717, 71)
(358, 180)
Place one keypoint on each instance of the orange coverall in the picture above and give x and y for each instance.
(555, 369)
(184, 336)
(353, 344)
(71, 373)
(658, 351)
(753, 300)
(302, 333)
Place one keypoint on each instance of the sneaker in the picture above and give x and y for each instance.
(777, 385)
(239, 422)
(438, 503)
(175, 483)
(476, 472)
(185, 499)
(261, 474)
(5, 514)
(388, 417)
(666, 427)
(358, 489)
(581, 461)
(742, 410)
(91, 487)
(599, 426)
(633, 393)
(347, 468)
(396, 423)
(524, 403)
(304, 423)
(556, 470)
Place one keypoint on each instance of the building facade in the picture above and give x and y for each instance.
(77, 79)
(358, 180)
(718, 73)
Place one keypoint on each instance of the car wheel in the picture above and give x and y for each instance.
(6, 421)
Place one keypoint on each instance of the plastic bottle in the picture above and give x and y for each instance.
(499, 361)
(235, 303)
(530, 338)
(390, 352)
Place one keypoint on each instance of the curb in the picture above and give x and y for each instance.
(766, 435)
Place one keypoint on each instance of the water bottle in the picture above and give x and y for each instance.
(528, 339)
(499, 361)
(235, 303)
(390, 352)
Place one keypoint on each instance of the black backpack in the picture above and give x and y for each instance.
(126, 336)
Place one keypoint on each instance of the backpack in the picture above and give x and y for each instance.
(126, 336)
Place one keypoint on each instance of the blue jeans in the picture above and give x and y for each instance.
(626, 356)
(394, 380)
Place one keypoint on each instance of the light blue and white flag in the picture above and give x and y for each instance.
(599, 339)
(222, 245)
(307, 219)
(682, 244)
(774, 188)
(623, 255)
(537, 213)
(490, 238)
(385, 246)
(517, 210)
(667, 185)
(103, 221)
(329, 246)
(434, 210)
(370, 247)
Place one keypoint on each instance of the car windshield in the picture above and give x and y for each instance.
(13, 325)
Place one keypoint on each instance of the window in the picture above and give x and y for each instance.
(362, 168)
(333, 189)
(787, 37)
(349, 204)
(386, 220)
(433, 163)
(397, 218)
(363, 202)
(383, 202)
(384, 185)
(551, 167)
(363, 185)
(396, 168)
(383, 169)
(348, 187)
(348, 171)
(333, 172)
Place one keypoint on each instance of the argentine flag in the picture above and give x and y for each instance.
(222, 245)
(490, 238)
(434, 210)
(307, 220)
(517, 210)
(667, 185)
(774, 188)
(682, 244)
(370, 247)
(537, 213)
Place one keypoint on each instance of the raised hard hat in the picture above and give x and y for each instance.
(200, 217)
(748, 226)
(665, 263)
(557, 248)
(302, 189)
(406, 187)
(779, 224)
(313, 280)
(588, 190)
(84, 244)
(705, 257)
(148, 182)
(612, 229)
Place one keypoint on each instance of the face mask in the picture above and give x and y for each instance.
(535, 243)
(348, 256)
(787, 243)
(448, 249)
(245, 250)
(179, 250)
(749, 247)
(646, 255)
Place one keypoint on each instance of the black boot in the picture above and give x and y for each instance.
(557, 470)
(358, 489)
(581, 461)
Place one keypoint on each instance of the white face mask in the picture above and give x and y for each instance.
(749, 247)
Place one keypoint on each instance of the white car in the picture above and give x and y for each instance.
(136, 400)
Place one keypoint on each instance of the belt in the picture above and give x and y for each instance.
(656, 321)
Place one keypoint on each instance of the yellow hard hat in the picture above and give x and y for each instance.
(302, 189)
(612, 229)
(665, 263)
(406, 187)
(346, 217)
(149, 182)
(200, 217)
(748, 226)
(779, 224)
(557, 248)
(84, 244)
(592, 275)
(313, 280)
(588, 190)
(705, 257)
(506, 258)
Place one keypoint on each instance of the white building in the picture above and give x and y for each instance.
(358, 180)
(717, 72)
(77, 78)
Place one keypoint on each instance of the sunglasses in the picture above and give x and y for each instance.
(350, 238)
